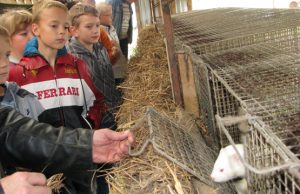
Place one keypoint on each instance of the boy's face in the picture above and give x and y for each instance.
(4, 61)
(20, 39)
(88, 31)
(52, 28)
(106, 18)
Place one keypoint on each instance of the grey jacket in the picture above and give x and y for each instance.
(23, 101)
(100, 69)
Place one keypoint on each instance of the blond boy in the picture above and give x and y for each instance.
(43, 148)
(59, 80)
(84, 44)
(18, 24)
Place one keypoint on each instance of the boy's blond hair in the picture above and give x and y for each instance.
(15, 20)
(104, 8)
(79, 10)
(4, 34)
(41, 5)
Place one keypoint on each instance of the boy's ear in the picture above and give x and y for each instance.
(73, 31)
(35, 29)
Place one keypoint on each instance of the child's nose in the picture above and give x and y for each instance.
(62, 30)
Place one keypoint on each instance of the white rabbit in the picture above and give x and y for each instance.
(228, 166)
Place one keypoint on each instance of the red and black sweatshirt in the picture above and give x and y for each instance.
(66, 91)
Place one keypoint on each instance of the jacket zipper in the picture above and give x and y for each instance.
(61, 109)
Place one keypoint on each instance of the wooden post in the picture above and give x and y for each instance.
(138, 15)
(152, 7)
(189, 94)
(173, 65)
(173, 5)
(158, 7)
(189, 5)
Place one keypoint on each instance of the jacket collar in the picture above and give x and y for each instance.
(78, 47)
(31, 48)
(33, 59)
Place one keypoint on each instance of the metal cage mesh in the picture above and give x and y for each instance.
(179, 146)
(262, 154)
(204, 93)
(267, 85)
(219, 29)
(250, 58)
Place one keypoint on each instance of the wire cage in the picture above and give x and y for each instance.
(248, 59)
(263, 79)
(178, 145)
(265, 154)
(232, 27)
(204, 95)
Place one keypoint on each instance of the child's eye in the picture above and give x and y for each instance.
(97, 25)
(67, 27)
(88, 27)
(24, 34)
(53, 26)
(8, 54)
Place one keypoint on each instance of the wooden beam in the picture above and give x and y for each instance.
(138, 15)
(153, 17)
(172, 61)
(189, 94)
(189, 5)
(173, 9)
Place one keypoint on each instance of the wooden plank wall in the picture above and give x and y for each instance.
(189, 95)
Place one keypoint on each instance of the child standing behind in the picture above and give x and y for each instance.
(60, 81)
(84, 44)
(10, 93)
(18, 24)
(120, 62)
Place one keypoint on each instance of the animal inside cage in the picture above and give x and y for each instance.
(248, 59)
(212, 31)
(263, 79)
(269, 169)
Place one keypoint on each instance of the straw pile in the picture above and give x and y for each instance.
(55, 182)
(148, 84)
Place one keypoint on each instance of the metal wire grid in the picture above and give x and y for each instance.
(279, 37)
(204, 95)
(226, 104)
(263, 78)
(268, 87)
(266, 81)
(260, 153)
(176, 144)
(245, 26)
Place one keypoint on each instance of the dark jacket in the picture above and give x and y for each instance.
(43, 148)
(66, 92)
